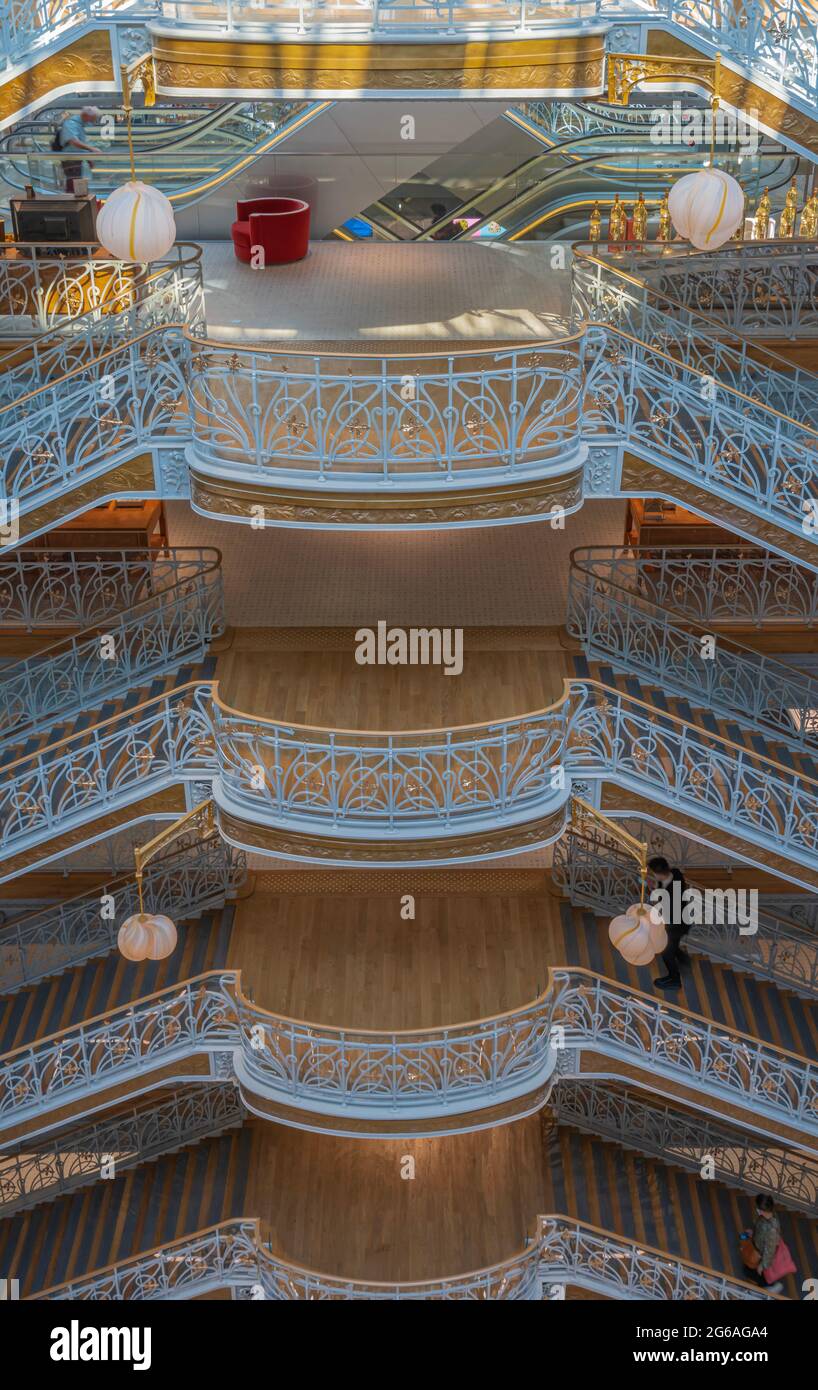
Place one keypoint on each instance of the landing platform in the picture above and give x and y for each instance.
(392, 297)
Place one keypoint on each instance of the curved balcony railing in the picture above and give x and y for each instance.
(76, 1157)
(410, 785)
(740, 1159)
(179, 614)
(413, 1076)
(445, 779)
(199, 875)
(434, 419)
(563, 1251)
(593, 873)
(621, 608)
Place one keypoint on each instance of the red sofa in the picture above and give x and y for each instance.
(280, 226)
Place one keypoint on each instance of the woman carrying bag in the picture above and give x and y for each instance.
(764, 1253)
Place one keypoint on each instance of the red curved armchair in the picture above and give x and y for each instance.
(280, 226)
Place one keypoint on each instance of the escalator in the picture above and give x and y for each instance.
(186, 151)
(511, 188)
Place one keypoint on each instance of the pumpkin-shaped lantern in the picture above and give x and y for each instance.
(638, 934)
(706, 208)
(146, 936)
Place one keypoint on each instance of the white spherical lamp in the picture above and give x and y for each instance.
(136, 223)
(638, 934)
(706, 208)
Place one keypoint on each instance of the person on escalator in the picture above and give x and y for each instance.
(663, 876)
(70, 136)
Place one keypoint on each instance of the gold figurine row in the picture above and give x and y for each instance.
(618, 219)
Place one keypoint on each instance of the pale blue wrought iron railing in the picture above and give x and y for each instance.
(481, 778)
(51, 1168)
(420, 1075)
(621, 608)
(762, 290)
(593, 873)
(197, 877)
(175, 609)
(233, 1255)
(654, 1127)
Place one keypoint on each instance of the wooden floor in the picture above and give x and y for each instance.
(342, 1207)
(329, 689)
(351, 961)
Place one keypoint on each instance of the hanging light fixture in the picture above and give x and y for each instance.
(151, 935)
(707, 207)
(136, 223)
(639, 933)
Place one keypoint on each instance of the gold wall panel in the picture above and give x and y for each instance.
(743, 93)
(296, 844)
(533, 498)
(87, 60)
(541, 66)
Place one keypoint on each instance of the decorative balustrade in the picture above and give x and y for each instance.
(165, 294)
(198, 875)
(233, 1255)
(131, 399)
(111, 764)
(757, 289)
(424, 1074)
(436, 419)
(57, 1166)
(43, 589)
(476, 778)
(780, 950)
(714, 585)
(443, 779)
(561, 120)
(621, 608)
(179, 612)
(740, 1159)
(78, 292)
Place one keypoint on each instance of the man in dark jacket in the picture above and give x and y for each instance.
(664, 876)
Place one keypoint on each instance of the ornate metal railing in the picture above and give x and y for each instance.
(167, 293)
(76, 1157)
(738, 586)
(179, 612)
(615, 289)
(426, 1073)
(593, 873)
(78, 291)
(43, 589)
(560, 120)
(431, 419)
(117, 761)
(739, 1159)
(130, 399)
(199, 875)
(233, 1255)
(621, 608)
(342, 780)
(754, 288)
(474, 778)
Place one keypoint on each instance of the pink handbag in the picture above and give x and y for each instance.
(782, 1264)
